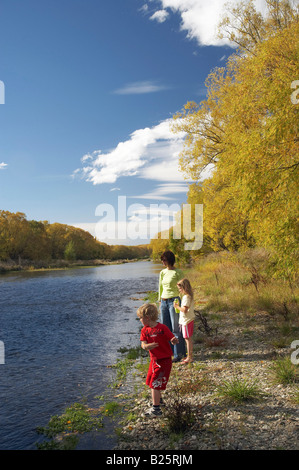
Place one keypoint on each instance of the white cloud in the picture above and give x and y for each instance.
(3, 166)
(144, 8)
(138, 88)
(162, 192)
(200, 18)
(160, 16)
(150, 153)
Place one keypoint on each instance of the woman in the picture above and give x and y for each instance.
(168, 292)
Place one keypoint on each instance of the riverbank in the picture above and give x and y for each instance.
(240, 393)
(242, 390)
(27, 265)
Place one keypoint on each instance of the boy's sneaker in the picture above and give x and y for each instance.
(162, 403)
(152, 413)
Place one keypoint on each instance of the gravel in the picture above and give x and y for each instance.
(269, 421)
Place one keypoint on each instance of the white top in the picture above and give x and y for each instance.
(186, 318)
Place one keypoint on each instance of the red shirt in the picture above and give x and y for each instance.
(158, 334)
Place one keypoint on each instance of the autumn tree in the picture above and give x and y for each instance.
(37, 245)
(69, 252)
(158, 245)
(246, 133)
(14, 234)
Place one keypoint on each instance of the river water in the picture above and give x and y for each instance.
(61, 329)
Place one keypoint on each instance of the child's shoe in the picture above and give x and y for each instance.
(162, 403)
(152, 412)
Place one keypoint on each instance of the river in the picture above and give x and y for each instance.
(60, 330)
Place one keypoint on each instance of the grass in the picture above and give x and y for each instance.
(122, 367)
(295, 397)
(63, 430)
(131, 353)
(151, 297)
(110, 408)
(242, 282)
(239, 390)
(284, 371)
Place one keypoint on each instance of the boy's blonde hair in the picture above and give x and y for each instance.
(149, 311)
(186, 286)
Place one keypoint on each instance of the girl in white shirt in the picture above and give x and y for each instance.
(187, 316)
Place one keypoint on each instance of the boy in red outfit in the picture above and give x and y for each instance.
(155, 338)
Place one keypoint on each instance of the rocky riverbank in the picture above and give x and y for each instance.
(237, 394)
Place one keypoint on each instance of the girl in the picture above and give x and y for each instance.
(187, 316)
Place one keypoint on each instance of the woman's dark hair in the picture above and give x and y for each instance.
(169, 257)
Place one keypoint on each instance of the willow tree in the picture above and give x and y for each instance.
(247, 129)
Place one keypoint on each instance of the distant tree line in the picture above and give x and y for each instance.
(33, 240)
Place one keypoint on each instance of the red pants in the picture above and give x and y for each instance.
(158, 373)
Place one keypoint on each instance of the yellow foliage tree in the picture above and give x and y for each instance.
(246, 131)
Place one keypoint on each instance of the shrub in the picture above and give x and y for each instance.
(179, 412)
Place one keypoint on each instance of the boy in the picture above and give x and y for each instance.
(155, 338)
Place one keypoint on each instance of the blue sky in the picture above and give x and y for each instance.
(90, 89)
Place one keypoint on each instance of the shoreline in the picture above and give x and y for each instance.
(60, 265)
(241, 346)
(268, 420)
(233, 393)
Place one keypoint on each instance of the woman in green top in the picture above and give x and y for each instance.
(168, 292)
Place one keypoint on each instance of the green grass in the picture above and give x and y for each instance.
(122, 367)
(284, 371)
(110, 408)
(77, 419)
(151, 297)
(239, 390)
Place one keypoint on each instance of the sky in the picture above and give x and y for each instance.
(88, 91)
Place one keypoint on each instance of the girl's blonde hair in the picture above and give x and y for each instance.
(148, 311)
(186, 286)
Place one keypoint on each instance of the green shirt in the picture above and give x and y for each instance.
(168, 280)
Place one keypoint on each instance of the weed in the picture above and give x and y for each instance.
(122, 367)
(111, 408)
(295, 397)
(239, 390)
(179, 413)
(151, 297)
(284, 371)
(77, 419)
(280, 342)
